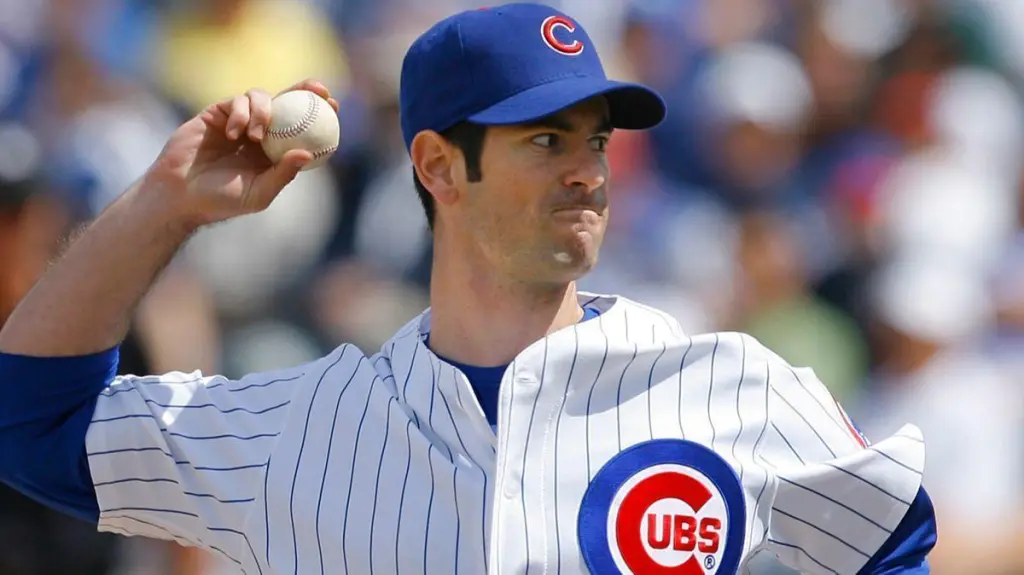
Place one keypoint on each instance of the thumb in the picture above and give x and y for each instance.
(267, 185)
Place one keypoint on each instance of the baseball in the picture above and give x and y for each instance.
(301, 119)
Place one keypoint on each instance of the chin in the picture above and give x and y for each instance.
(575, 263)
(569, 254)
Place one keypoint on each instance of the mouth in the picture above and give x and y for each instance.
(576, 211)
(579, 218)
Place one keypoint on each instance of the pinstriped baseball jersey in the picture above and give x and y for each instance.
(622, 444)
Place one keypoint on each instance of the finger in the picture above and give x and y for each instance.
(315, 86)
(318, 88)
(238, 118)
(259, 113)
(216, 115)
(269, 184)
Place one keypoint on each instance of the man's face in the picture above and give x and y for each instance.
(540, 211)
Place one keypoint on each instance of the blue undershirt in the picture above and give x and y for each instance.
(486, 381)
(48, 404)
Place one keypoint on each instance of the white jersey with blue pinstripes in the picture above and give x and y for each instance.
(386, 464)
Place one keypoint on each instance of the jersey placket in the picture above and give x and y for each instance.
(517, 495)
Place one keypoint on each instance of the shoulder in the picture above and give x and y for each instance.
(346, 366)
(632, 323)
(644, 322)
(642, 318)
(380, 362)
(731, 361)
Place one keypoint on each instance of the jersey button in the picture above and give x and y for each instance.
(513, 478)
(511, 489)
(526, 381)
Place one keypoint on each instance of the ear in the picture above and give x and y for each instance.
(435, 162)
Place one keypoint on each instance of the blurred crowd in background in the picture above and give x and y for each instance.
(840, 178)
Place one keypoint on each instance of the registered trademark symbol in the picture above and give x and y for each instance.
(709, 562)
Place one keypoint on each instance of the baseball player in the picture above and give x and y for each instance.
(515, 426)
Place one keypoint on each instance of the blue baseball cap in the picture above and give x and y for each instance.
(511, 64)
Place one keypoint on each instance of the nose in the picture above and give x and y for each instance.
(589, 173)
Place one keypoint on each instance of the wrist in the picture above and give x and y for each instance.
(163, 203)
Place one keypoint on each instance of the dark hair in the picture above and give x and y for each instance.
(467, 137)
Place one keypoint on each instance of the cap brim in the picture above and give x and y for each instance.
(632, 106)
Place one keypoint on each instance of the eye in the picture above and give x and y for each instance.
(599, 143)
(545, 140)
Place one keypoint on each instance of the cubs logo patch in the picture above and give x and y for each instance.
(548, 30)
(852, 427)
(666, 506)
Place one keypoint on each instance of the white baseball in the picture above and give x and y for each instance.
(301, 119)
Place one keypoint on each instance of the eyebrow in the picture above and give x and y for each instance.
(560, 123)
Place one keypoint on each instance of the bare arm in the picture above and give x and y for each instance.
(211, 169)
(84, 303)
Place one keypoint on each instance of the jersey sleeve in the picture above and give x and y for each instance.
(906, 550)
(838, 498)
(47, 405)
(181, 456)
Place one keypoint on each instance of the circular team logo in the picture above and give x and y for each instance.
(666, 506)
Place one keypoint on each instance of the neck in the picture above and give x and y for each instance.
(487, 321)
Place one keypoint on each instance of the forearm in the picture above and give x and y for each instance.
(84, 303)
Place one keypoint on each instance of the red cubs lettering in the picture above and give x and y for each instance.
(547, 32)
(653, 539)
(709, 535)
(683, 533)
(631, 517)
(679, 532)
(686, 528)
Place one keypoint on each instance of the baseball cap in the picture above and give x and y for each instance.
(511, 64)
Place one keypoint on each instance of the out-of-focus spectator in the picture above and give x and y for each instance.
(930, 314)
(774, 304)
(932, 205)
(98, 128)
(759, 101)
(206, 50)
(974, 115)
(840, 44)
